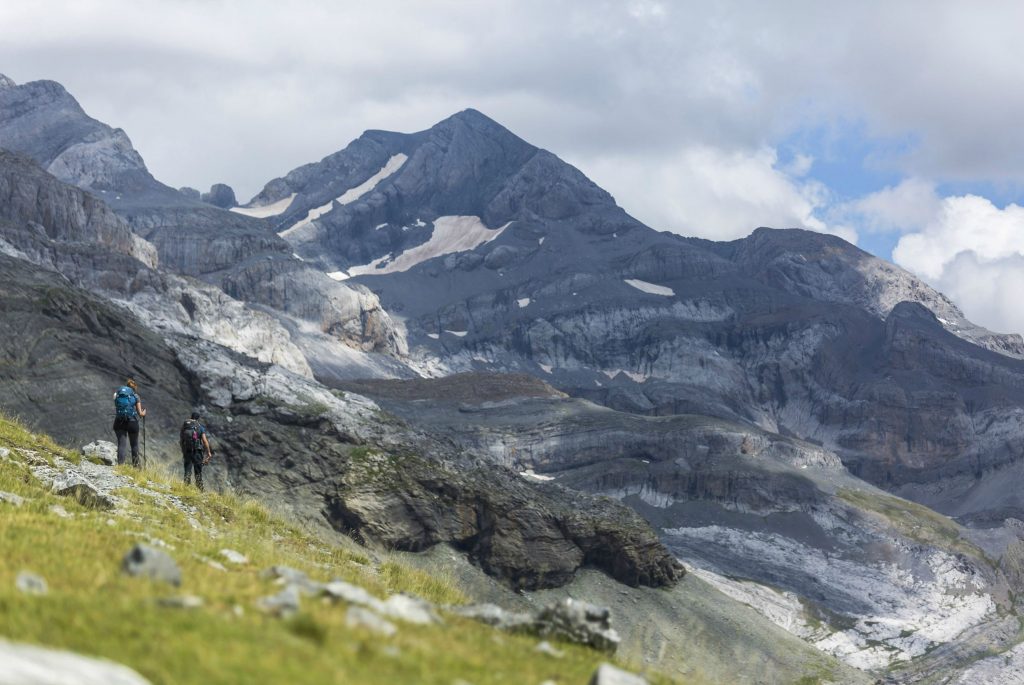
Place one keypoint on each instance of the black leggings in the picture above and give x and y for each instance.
(127, 430)
(196, 463)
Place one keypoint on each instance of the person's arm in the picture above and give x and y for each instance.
(138, 407)
(209, 452)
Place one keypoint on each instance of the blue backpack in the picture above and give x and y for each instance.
(124, 403)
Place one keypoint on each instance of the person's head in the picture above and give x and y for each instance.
(195, 415)
(132, 384)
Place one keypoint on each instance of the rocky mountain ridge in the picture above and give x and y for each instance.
(751, 390)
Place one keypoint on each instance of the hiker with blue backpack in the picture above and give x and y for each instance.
(127, 412)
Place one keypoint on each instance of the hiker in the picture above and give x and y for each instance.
(194, 445)
(127, 410)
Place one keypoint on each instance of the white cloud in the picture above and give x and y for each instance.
(974, 252)
(714, 193)
(906, 207)
(966, 223)
(989, 292)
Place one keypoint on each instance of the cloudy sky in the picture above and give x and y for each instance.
(895, 125)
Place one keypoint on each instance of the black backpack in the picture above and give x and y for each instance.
(191, 438)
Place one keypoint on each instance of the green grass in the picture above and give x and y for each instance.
(914, 521)
(93, 608)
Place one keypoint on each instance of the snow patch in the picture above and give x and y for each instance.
(338, 275)
(262, 212)
(380, 226)
(349, 196)
(311, 216)
(460, 334)
(651, 288)
(637, 377)
(392, 165)
(523, 302)
(528, 473)
(434, 336)
(547, 367)
(451, 234)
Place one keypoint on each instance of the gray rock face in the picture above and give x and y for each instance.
(232, 251)
(149, 562)
(190, 193)
(43, 121)
(28, 665)
(220, 195)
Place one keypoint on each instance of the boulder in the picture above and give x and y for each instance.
(101, 451)
(71, 484)
(11, 498)
(284, 604)
(495, 616)
(362, 618)
(339, 590)
(580, 622)
(234, 557)
(220, 195)
(606, 674)
(149, 562)
(181, 602)
(31, 584)
(29, 665)
(408, 609)
(190, 193)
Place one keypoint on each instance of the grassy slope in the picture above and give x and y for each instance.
(94, 609)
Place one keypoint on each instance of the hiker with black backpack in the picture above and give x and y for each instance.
(127, 412)
(194, 445)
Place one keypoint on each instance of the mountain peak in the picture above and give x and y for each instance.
(6, 82)
(476, 121)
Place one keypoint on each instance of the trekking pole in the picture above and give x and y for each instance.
(145, 461)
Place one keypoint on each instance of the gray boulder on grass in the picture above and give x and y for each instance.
(31, 584)
(361, 617)
(101, 451)
(149, 562)
(606, 674)
(70, 484)
(11, 498)
(29, 665)
(581, 622)
(284, 604)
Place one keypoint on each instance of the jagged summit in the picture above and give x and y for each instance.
(6, 82)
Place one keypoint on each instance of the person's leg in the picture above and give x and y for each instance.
(133, 435)
(188, 470)
(199, 474)
(122, 443)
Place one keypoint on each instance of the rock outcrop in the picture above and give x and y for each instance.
(220, 195)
